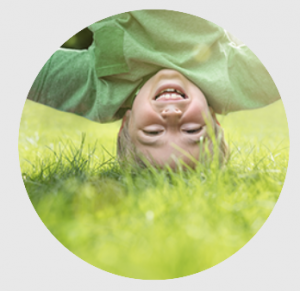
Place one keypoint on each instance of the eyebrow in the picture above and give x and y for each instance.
(155, 142)
(159, 142)
(194, 141)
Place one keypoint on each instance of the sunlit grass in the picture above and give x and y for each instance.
(151, 224)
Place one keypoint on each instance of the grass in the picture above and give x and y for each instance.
(150, 224)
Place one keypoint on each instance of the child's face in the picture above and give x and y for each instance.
(168, 112)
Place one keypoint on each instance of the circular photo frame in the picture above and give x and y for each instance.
(163, 146)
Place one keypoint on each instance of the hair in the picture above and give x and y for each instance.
(127, 152)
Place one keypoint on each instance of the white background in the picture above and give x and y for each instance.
(31, 258)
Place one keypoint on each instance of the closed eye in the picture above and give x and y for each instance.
(193, 131)
(152, 132)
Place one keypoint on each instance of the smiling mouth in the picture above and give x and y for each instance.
(170, 94)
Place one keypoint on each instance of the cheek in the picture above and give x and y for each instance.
(195, 151)
(198, 112)
(144, 115)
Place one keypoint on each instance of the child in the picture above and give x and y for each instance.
(165, 73)
(168, 110)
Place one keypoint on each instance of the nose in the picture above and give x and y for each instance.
(171, 112)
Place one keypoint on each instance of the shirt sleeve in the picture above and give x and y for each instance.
(68, 82)
(250, 82)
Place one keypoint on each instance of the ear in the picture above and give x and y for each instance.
(126, 115)
(212, 112)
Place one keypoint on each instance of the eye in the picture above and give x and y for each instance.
(193, 131)
(152, 132)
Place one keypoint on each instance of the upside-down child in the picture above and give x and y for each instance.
(165, 74)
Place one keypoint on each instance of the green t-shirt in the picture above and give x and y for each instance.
(100, 83)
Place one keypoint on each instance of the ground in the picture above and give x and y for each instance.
(151, 224)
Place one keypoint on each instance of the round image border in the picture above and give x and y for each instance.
(236, 270)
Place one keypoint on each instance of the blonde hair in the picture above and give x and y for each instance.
(127, 152)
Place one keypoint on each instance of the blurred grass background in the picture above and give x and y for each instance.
(150, 224)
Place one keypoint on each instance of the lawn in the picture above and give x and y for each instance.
(151, 224)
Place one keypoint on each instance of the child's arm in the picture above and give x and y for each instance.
(251, 85)
(67, 82)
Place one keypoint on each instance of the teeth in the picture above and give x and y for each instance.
(170, 90)
(167, 90)
(174, 95)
